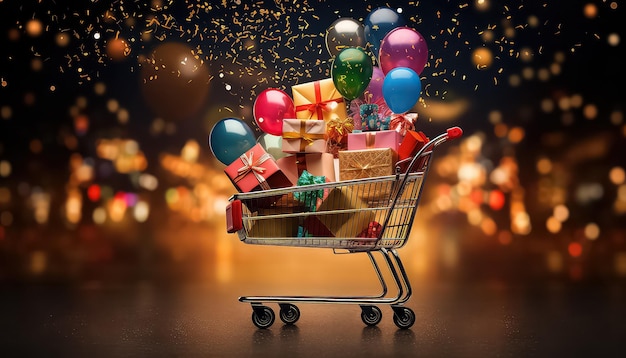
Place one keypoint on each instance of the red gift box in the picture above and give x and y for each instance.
(256, 170)
(411, 144)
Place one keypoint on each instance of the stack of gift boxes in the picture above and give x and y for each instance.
(326, 144)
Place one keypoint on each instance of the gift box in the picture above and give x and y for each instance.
(347, 219)
(318, 100)
(380, 139)
(372, 119)
(382, 111)
(279, 226)
(402, 122)
(311, 199)
(313, 227)
(372, 231)
(273, 227)
(412, 142)
(320, 164)
(366, 163)
(256, 170)
(304, 136)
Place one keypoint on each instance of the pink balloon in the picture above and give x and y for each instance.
(403, 47)
(374, 89)
(270, 108)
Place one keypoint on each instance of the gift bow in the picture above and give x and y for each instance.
(306, 138)
(251, 165)
(402, 122)
(341, 126)
(320, 106)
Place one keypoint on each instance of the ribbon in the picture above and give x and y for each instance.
(319, 106)
(338, 128)
(309, 198)
(372, 230)
(253, 166)
(370, 139)
(305, 138)
(402, 122)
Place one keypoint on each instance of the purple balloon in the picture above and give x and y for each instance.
(403, 47)
(374, 89)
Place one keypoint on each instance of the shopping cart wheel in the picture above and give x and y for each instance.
(371, 315)
(289, 313)
(403, 317)
(262, 316)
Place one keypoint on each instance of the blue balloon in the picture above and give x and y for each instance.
(402, 88)
(230, 138)
(377, 25)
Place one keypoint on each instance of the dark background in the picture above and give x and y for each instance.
(112, 227)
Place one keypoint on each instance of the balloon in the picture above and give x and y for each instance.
(403, 47)
(351, 72)
(270, 108)
(378, 23)
(272, 144)
(401, 89)
(230, 138)
(344, 32)
(374, 90)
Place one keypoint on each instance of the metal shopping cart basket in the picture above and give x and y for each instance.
(352, 216)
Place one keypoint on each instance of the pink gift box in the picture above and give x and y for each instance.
(318, 164)
(304, 136)
(256, 170)
(375, 139)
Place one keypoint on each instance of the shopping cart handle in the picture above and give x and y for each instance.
(234, 217)
(454, 132)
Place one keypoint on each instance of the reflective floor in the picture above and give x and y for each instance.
(205, 319)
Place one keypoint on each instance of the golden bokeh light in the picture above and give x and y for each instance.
(482, 58)
(117, 49)
(590, 10)
(617, 175)
(34, 28)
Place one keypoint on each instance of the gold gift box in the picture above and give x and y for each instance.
(318, 100)
(366, 163)
(349, 223)
(280, 226)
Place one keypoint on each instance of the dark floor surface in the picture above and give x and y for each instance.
(207, 320)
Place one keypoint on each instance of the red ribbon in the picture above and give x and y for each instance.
(403, 122)
(319, 106)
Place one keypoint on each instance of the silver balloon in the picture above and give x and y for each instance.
(344, 32)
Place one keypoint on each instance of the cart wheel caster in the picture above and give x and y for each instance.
(262, 316)
(289, 313)
(403, 317)
(371, 315)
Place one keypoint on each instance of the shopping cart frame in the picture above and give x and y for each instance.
(398, 207)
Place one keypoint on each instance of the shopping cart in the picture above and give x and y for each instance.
(352, 216)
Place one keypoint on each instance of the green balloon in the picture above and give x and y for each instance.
(352, 71)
